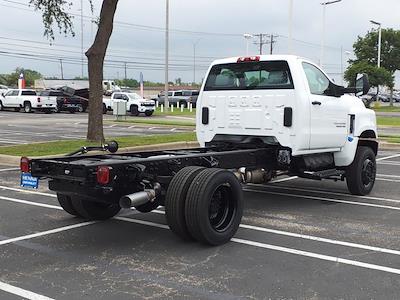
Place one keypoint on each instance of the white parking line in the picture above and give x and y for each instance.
(318, 256)
(30, 203)
(21, 292)
(286, 250)
(310, 237)
(324, 199)
(390, 176)
(27, 191)
(385, 179)
(389, 163)
(284, 179)
(9, 169)
(327, 192)
(47, 232)
(265, 246)
(387, 157)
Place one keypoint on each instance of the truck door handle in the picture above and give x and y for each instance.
(316, 103)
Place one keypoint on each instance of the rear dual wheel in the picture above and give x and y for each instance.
(205, 205)
(90, 210)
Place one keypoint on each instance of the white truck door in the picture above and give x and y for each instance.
(7, 101)
(328, 114)
(13, 99)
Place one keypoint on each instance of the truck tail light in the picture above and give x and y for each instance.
(25, 165)
(38, 99)
(103, 175)
(248, 59)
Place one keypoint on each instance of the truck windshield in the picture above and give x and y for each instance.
(262, 75)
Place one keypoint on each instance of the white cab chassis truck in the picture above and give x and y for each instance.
(257, 118)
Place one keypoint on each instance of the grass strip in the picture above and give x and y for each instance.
(151, 121)
(61, 147)
(388, 121)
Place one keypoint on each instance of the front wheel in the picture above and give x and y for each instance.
(80, 108)
(360, 175)
(1, 106)
(134, 110)
(104, 109)
(148, 113)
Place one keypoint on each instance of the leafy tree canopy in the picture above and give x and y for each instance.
(377, 76)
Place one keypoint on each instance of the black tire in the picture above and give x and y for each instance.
(148, 113)
(80, 108)
(27, 107)
(214, 206)
(176, 198)
(134, 110)
(91, 210)
(104, 109)
(1, 106)
(66, 203)
(360, 175)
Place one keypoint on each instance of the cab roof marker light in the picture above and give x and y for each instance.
(248, 59)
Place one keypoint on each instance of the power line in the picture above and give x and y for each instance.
(265, 39)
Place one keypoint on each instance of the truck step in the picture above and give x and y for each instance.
(325, 174)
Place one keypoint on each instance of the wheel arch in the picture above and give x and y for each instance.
(368, 139)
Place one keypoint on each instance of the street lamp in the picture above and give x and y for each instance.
(248, 37)
(194, 60)
(379, 40)
(290, 42)
(324, 4)
(166, 102)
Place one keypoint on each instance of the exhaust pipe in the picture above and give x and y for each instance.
(140, 198)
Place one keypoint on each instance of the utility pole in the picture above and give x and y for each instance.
(265, 39)
(194, 60)
(166, 54)
(290, 42)
(272, 42)
(62, 71)
(125, 73)
(82, 54)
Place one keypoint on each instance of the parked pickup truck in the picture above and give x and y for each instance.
(28, 100)
(258, 117)
(134, 103)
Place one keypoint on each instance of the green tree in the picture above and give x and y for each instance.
(366, 50)
(57, 13)
(377, 76)
(30, 77)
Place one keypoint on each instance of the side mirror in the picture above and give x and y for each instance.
(362, 84)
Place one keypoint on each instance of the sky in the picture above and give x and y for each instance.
(201, 31)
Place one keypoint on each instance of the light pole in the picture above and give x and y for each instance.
(194, 60)
(379, 40)
(290, 42)
(248, 37)
(324, 4)
(166, 53)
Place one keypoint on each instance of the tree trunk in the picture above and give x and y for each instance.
(391, 96)
(96, 55)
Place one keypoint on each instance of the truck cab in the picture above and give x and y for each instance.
(134, 103)
(289, 102)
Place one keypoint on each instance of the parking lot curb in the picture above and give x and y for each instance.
(9, 160)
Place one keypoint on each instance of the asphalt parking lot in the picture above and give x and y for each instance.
(20, 128)
(299, 239)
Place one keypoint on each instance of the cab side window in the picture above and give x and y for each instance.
(317, 81)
